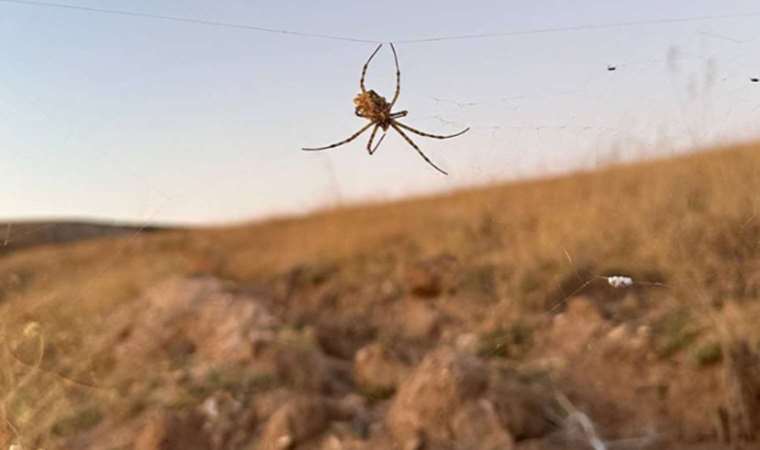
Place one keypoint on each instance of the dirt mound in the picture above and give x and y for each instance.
(455, 400)
(202, 317)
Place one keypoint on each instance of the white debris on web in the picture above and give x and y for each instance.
(619, 281)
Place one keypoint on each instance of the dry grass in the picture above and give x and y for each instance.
(691, 223)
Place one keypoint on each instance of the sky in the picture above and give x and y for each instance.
(131, 118)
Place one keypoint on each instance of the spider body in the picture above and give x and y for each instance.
(372, 106)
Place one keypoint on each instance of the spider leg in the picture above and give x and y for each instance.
(372, 138)
(374, 149)
(398, 76)
(407, 127)
(345, 141)
(395, 125)
(370, 149)
(364, 70)
(399, 114)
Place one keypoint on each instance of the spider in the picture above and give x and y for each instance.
(375, 108)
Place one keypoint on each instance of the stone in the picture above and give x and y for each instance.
(378, 369)
(428, 399)
(297, 421)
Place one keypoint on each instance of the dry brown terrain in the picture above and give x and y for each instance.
(477, 320)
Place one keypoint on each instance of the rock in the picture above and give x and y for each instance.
(622, 342)
(173, 431)
(537, 444)
(303, 367)
(295, 422)
(228, 423)
(201, 325)
(423, 282)
(426, 401)
(268, 402)
(521, 407)
(377, 369)
(476, 426)
(199, 317)
(467, 343)
(583, 308)
(218, 423)
(343, 336)
(572, 330)
(6, 436)
(332, 442)
(341, 437)
(453, 400)
(430, 277)
(350, 405)
(618, 334)
(418, 320)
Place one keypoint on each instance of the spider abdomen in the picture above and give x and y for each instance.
(373, 106)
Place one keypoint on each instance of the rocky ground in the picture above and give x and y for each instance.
(234, 370)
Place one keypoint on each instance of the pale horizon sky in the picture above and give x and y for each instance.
(147, 120)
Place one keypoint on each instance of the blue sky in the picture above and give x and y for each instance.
(139, 119)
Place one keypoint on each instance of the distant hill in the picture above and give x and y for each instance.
(19, 235)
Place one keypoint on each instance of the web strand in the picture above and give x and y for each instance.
(190, 20)
(574, 28)
(213, 23)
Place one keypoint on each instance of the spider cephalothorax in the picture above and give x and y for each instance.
(375, 108)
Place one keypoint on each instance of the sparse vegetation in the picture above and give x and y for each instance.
(78, 422)
(480, 282)
(708, 354)
(511, 342)
(675, 331)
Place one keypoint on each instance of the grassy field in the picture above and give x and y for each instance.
(510, 268)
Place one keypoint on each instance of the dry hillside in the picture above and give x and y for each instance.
(477, 320)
